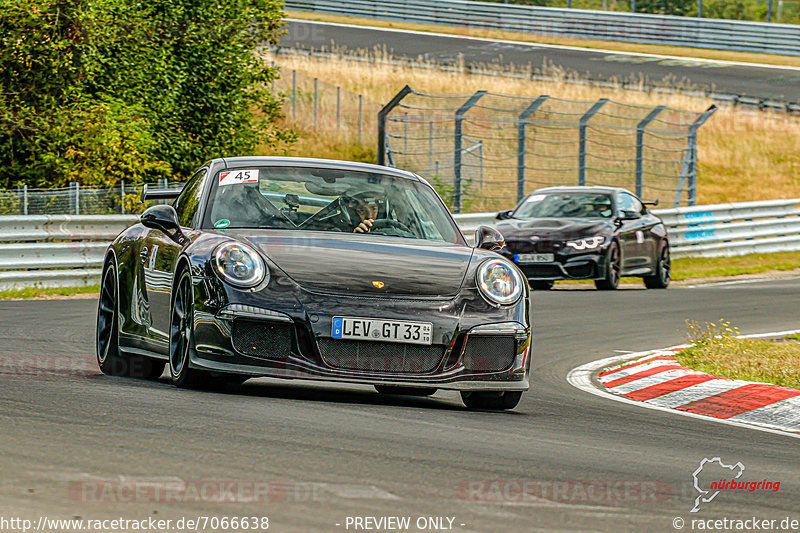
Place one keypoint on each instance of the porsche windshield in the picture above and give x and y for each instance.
(324, 199)
(565, 205)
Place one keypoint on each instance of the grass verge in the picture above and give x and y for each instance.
(719, 55)
(35, 293)
(685, 268)
(717, 350)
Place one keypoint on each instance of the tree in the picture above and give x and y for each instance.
(666, 7)
(99, 90)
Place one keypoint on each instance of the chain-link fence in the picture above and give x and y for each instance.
(76, 200)
(315, 105)
(485, 151)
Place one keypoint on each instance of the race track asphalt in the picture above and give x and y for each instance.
(336, 451)
(769, 83)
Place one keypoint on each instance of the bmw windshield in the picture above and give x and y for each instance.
(326, 199)
(565, 205)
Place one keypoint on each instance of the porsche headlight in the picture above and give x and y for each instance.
(239, 265)
(499, 282)
(587, 244)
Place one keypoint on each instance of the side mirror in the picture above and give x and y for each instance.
(630, 215)
(488, 238)
(503, 215)
(161, 217)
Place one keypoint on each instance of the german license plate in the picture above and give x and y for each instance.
(375, 329)
(533, 258)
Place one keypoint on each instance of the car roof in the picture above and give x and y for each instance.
(316, 162)
(579, 188)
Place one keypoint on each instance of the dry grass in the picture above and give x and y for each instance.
(721, 55)
(716, 349)
(743, 154)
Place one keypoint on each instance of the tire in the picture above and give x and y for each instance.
(181, 336)
(404, 391)
(491, 401)
(661, 278)
(542, 285)
(109, 359)
(613, 268)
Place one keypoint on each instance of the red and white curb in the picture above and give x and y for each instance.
(655, 380)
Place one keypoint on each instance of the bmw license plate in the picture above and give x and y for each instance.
(374, 329)
(533, 258)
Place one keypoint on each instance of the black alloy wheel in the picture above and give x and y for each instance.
(661, 278)
(613, 268)
(181, 336)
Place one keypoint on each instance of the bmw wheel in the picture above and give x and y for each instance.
(491, 400)
(660, 279)
(613, 269)
(181, 335)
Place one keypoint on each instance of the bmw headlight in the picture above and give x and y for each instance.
(239, 265)
(499, 282)
(587, 244)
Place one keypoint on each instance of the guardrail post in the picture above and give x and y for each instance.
(582, 137)
(640, 147)
(459, 122)
(382, 115)
(24, 198)
(699, 8)
(521, 134)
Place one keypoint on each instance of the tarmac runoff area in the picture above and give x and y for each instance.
(654, 379)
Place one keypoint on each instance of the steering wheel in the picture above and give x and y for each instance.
(382, 223)
(328, 215)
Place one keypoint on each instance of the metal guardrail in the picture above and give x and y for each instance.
(719, 230)
(67, 250)
(715, 34)
(56, 250)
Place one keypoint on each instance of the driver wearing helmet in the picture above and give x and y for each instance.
(600, 207)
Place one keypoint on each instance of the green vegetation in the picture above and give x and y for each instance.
(717, 349)
(685, 268)
(99, 90)
(38, 293)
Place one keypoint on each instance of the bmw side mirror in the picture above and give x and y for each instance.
(163, 217)
(503, 215)
(630, 215)
(488, 238)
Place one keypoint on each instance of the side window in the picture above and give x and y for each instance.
(626, 203)
(637, 205)
(187, 203)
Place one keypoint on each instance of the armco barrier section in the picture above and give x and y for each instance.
(68, 250)
(56, 250)
(715, 34)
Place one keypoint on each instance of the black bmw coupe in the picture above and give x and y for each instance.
(313, 269)
(597, 233)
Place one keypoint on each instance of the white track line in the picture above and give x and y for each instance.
(712, 62)
(581, 378)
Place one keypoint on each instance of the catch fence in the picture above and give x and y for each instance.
(485, 151)
(311, 104)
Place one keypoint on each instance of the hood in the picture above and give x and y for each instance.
(346, 263)
(555, 229)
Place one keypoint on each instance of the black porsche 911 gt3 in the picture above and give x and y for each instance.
(597, 233)
(313, 269)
